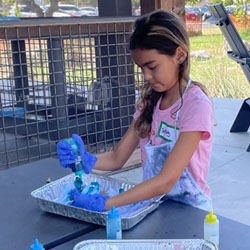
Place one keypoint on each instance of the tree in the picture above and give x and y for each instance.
(228, 2)
(217, 1)
(241, 15)
(136, 3)
(242, 4)
(34, 7)
(41, 12)
(192, 2)
(52, 8)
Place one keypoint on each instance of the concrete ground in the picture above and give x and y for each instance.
(229, 175)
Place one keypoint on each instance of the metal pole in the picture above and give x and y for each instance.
(20, 72)
(58, 86)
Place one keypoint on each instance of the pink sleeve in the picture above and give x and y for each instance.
(197, 116)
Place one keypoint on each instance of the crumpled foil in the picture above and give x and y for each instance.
(157, 244)
(48, 195)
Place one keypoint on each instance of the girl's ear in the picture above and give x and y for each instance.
(181, 55)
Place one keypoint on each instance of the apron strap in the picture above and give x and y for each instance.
(184, 93)
(178, 110)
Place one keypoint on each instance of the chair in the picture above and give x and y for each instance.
(240, 54)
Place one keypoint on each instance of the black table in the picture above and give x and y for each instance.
(174, 220)
(22, 220)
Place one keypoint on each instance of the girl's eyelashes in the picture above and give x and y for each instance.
(149, 67)
(152, 67)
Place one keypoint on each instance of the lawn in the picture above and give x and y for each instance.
(222, 76)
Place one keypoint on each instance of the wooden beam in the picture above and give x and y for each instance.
(178, 6)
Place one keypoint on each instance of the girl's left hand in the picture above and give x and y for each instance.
(93, 202)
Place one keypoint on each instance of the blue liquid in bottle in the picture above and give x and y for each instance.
(36, 246)
(114, 225)
(77, 166)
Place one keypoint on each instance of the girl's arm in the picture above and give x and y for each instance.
(175, 164)
(117, 158)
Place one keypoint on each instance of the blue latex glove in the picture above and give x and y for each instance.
(67, 156)
(93, 202)
(88, 159)
(65, 153)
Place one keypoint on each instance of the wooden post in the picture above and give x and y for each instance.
(178, 6)
(115, 8)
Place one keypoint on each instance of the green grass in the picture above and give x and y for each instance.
(245, 34)
(222, 76)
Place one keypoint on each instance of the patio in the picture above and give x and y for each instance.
(229, 172)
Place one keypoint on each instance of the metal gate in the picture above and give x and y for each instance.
(64, 76)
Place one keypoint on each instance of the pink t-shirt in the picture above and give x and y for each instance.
(196, 114)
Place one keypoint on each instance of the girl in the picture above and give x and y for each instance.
(173, 122)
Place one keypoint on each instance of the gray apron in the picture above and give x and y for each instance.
(186, 189)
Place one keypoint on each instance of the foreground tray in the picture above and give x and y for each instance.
(185, 244)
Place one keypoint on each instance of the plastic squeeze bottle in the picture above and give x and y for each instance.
(211, 228)
(114, 225)
(36, 245)
(76, 167)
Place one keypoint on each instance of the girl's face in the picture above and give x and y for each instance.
(160, 70)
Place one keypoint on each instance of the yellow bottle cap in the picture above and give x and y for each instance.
(211, 218)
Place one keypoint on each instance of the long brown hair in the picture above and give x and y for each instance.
(165, 32)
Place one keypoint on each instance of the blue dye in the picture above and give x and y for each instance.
(94, 188)
(66, 197)
(114, 225)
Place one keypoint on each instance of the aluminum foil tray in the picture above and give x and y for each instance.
(48, 194)
(192, 244)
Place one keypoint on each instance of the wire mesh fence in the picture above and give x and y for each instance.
(64, 77)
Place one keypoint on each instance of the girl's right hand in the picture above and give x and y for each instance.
(67, 156)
